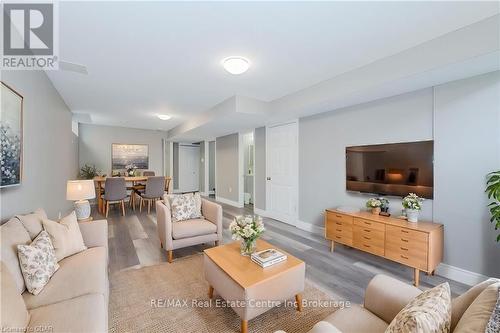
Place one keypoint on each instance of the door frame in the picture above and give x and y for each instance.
(197, 168)
(295, 175)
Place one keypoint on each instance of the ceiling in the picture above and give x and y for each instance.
(146, 58)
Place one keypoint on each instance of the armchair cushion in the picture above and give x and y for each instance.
(356, 319)
(192, 228)
(184, 206)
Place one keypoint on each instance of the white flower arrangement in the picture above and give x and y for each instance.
(247, 228)
(373, 203)
(412, 201)
(130, 169)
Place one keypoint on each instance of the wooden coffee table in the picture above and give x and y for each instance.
(249, 289)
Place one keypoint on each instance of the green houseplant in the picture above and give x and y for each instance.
(493, 190)
(88, 172)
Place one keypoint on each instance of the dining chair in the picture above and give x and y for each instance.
(115, 191)
(155, 188)
(148, 173)
(139, 187)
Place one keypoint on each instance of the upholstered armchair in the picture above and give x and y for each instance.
(176, 235)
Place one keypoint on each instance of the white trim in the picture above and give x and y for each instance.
(206, 167)
(260, 212)
(211, 192)
(205, 194)
(229, 202)
(310, 227)
(460, 274)
(253, 170)
(241, 170)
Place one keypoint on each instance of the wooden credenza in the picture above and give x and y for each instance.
(417, 245)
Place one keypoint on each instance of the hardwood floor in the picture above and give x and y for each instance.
(344, 274)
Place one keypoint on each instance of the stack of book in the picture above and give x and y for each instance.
(268, 257)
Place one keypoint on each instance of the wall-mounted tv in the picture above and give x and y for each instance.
(391, 169)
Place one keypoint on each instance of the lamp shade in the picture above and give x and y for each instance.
(80, 190)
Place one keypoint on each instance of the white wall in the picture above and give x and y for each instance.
(95, 145)
(50, 155)
(467, 147)
(227, 168)
(463, 118)
(323, 139)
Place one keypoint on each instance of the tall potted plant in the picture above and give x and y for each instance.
(493, 190)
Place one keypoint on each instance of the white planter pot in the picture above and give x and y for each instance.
(412, 215)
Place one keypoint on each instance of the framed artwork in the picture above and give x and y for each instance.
(124, 156)
(11, 137)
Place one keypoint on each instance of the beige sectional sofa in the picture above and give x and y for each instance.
(76, 297)
(386, 296)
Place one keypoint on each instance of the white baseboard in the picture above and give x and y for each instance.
(260, 212)
(205, 194)
(229, 202)
(211, 192)
(460, 274)
(310, 227)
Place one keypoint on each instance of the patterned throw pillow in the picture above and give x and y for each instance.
(38, 262)
(184, 207)
(429, 312)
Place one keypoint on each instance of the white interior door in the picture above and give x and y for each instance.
(189, 168)
(282, 172)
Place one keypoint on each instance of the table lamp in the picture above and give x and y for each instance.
(80, 191)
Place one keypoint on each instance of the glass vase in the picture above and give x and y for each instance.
(248, 246)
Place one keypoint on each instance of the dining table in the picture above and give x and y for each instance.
(133, 180)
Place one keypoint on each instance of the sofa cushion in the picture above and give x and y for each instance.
(38, 262)
(462, 302)
(429, 312)
(82, 314)
(477, 315)
(12, 233)
(356, 319)
(65, 235)
(13, 313)
(33, 222)
(80, 274)
(324, 327)
(192, 228)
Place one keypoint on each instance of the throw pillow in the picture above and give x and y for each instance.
(38, 262)
(33, 222)
(183, 207)
(478, 314)
(65, 235)
(429, 312)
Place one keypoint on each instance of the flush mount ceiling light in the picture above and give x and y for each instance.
(164, 116)
(236, 65)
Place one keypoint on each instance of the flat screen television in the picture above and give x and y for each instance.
(391, 169)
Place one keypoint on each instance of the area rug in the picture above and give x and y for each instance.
(160, 298)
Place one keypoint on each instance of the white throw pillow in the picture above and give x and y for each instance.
(38, 262)
(33, 222)
(65, 236)
(184, 207)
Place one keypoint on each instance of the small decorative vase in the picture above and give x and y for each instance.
(412, 215)
(376, 211)
(248, 246)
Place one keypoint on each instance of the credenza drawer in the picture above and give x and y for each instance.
(406, 255)
(405, 234)
(369, 224)
(343, 239)
(367, 239)
(338, 217)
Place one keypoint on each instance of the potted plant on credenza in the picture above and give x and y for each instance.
(493, 190)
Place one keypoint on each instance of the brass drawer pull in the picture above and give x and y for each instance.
(367, 230)
(404, 257)
(366, 245)
(339, 216)
(338, 229)
(404, 249)
(366, 237)
(367, 223)
(404, 231)
(338, 237)
(404, 240)
(338, 223)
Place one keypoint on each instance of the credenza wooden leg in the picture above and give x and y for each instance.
(210, 292)
(416, 277)
(332, 246)
(244, 326)
(298, 299)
